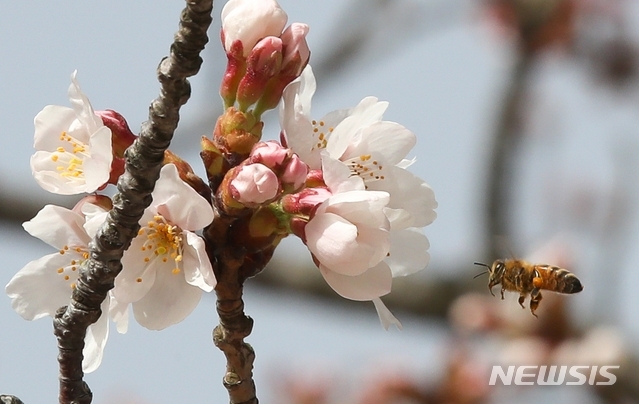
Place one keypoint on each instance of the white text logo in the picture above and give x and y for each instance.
(553, 375)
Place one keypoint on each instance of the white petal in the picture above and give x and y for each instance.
(410, 193)
(388, 140)
(373, 283)
(97, 167)
(49, 124)
(45, 173)
(337, 176)
(343, 247)
(82, 106)
(408, 252)
(368, 111)
(198, 270)
(179, 203)
(95, 340)
(168, 302)
(361, 207)
(385, 316)
(94, 219)
(38, 289)
(137, 276)
(119, 313)
(307, 88)
(58, 227)
(295, 119)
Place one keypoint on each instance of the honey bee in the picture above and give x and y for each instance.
(525, 278)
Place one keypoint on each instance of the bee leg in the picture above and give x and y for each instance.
(502, 293)
(521, 301)
(535, 298)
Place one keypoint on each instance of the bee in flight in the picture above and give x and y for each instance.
(529, 279)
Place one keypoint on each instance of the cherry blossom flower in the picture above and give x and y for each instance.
(356, 150)
(73, 147)
(372, 150)
(166, 268)
(45, 284)
(349, 237)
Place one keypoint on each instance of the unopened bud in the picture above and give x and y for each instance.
(264, 61)
(269, 153)
(121, 135)
(295, 49)
(248, 21)
(294, 175)
(254, 184)
(305, 201)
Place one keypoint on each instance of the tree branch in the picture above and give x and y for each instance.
(143, 163)
(233, 265)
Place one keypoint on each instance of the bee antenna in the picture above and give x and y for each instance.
(481, 264)
(480, 274)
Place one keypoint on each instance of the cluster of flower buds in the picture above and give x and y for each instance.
(263, 57)
(269, 172)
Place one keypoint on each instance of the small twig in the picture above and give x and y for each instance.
(143, 163)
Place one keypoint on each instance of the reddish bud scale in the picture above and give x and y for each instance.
(187, 175)
(298, 226)
(272, 93)
(225, 199)
(235, 70)
(236, 132)
(121, 135)
(117, 169)
(256, 232)
(102, 201)
(214, 162)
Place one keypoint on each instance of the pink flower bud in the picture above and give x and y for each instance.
(294, 175)
(248, 21)
(266, 57)
(264, 61)
(255, 184)
(269, 153)
(296, 51)
(305, 201)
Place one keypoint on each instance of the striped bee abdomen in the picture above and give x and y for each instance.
(557, 280)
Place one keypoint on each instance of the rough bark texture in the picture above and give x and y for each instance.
(143, 163)
(10, 400)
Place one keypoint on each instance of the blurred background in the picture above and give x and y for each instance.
(526, 113)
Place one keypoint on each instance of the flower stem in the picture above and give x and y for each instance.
(143, 162)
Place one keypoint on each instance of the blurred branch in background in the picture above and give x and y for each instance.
(535, 26)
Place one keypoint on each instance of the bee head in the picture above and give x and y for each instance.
(495, 272)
